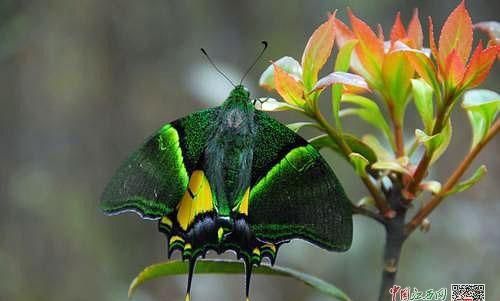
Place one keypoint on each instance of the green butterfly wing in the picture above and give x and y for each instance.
(154, 178)
(295, 194)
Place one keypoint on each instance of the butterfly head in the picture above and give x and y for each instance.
(240, 93)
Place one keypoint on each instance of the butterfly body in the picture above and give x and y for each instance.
(225, 164)
(232, 178)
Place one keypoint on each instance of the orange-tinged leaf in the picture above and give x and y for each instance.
(421, 62)
(342, 33)
(289, 88)
(456, 34)
(364, 33)
(354, 90)
(317, 51)
(432, 40)
(415, 33)
(397, 72)
(370, 49)
(492, 28)
(479, 66)
(434, 50)
(455, 69)
(398, 31)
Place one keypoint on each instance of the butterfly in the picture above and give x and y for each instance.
(232, 178)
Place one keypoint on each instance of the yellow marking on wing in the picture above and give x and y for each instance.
(166, 221)
(256, 251)
(196, 200)
(243, 206)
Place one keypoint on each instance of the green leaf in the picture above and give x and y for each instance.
(297, 126)
(359, 162)
(172, 268)
(368, 111)
(482, 107)
(422, 64)
(476, 177)
(289, 64)
(422, 95)
(381, 152)
(342, 64)
(435, 144)
(432, 186)
(353, 142)
(390, 165)
(343, 61)
(396, 74)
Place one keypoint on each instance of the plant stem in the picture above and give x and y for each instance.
(452, 181)
(395, 238)
(398, 131)
(423, 165)
(366, 212)
(337, 137)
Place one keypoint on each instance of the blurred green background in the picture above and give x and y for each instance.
(82, 83)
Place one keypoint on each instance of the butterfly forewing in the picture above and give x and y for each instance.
(154, 178)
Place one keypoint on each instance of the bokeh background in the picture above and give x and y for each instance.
(82, 83)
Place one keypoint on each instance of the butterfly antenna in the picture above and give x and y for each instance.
(216, 68)
(255, 62)
(192, 263)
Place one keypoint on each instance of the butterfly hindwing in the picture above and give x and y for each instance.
(295, 194)
(154, 178)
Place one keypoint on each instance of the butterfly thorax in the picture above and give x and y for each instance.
(229, 152)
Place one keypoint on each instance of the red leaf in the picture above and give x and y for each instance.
(317, 51)
(289, 88)
(456, 34)
(434, 50)
(455, 69)
(398, 31)
(370, 49)
(415, 31)
(342, 33)
(479, 66)
(432, 41)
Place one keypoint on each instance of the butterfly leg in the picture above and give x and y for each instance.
(260, 100)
